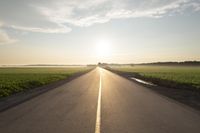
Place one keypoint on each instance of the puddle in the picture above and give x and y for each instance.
(143, 82)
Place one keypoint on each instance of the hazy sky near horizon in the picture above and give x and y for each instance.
(89, 31)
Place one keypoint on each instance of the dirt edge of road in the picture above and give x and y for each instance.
(188, 97)
(16, 99)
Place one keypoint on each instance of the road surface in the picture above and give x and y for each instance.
(100, 102)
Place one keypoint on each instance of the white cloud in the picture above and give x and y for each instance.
(61, 29)
(5, 39)
(1, 24)
(194, 5)
(91, 12)
(58, 16)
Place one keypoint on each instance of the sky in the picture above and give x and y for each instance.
(92, 31)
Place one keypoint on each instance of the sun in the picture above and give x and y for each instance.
(103, 48)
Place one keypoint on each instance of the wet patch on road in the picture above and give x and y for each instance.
(142, 81)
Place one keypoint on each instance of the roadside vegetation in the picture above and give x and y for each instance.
(181, 77)
(14, 80)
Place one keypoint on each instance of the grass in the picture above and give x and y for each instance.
(14, 80)
(170, 76)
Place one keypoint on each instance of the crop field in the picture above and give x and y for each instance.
(170, 76)
(14, 80)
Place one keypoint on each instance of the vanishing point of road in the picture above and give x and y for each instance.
(100, 102)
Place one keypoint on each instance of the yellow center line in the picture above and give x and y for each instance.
(98, 117)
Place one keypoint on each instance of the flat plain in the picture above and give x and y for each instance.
(169, 76)
(18, 79)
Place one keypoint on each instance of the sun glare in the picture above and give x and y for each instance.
(103, 49)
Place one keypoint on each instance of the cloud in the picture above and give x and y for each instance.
(62, 29)
(194, 5)
(92, 12)
(21, 15)
(58, 16)
(5, 39)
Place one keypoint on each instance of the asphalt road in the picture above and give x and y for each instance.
(100, 102)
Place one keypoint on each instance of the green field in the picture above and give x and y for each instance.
(14, 80)
(170, 76)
